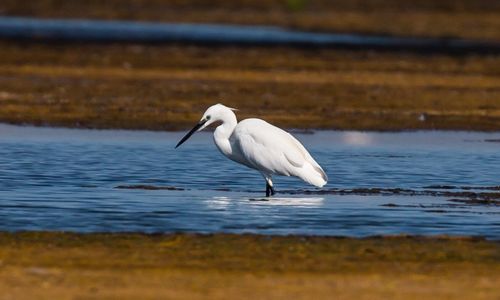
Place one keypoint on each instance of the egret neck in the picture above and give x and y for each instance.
(224, 131)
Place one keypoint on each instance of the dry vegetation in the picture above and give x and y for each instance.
(444, 18)
(168, 87)
(131, 266)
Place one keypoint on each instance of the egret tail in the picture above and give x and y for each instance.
(312, 174)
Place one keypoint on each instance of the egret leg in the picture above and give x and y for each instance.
(269, 188)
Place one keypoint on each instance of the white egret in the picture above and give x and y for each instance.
(260, 146)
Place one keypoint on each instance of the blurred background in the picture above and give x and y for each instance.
(166, 85)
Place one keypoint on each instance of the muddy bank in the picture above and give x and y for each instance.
(63, 265)
(168, 87)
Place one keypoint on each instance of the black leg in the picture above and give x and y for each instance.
(269, 190)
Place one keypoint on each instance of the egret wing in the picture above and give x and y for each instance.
(268, 148)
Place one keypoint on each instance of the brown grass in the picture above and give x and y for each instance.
(444, 18)
(168, 87)
(47, 265)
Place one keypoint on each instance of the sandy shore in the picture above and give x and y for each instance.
(50, 265)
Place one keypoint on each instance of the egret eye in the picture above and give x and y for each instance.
(207, 117)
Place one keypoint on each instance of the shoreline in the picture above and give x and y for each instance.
(293, 130)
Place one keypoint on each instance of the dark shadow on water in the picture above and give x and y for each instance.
(149, 187)
(476, 197)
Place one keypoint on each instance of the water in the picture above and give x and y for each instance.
(128, 31)
(66, 179)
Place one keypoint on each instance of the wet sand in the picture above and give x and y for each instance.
(49, 265)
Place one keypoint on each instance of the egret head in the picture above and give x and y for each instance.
(213, 114)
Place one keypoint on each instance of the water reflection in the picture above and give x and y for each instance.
(299, 202)
(218, 202)
(356, 138)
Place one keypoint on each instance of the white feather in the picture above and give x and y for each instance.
(261, 146)
(272, 150)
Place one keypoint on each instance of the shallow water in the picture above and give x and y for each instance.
(66, 179)
(129, 31)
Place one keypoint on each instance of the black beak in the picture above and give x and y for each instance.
(190, 133)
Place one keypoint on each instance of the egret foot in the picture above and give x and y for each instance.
(269, 190)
